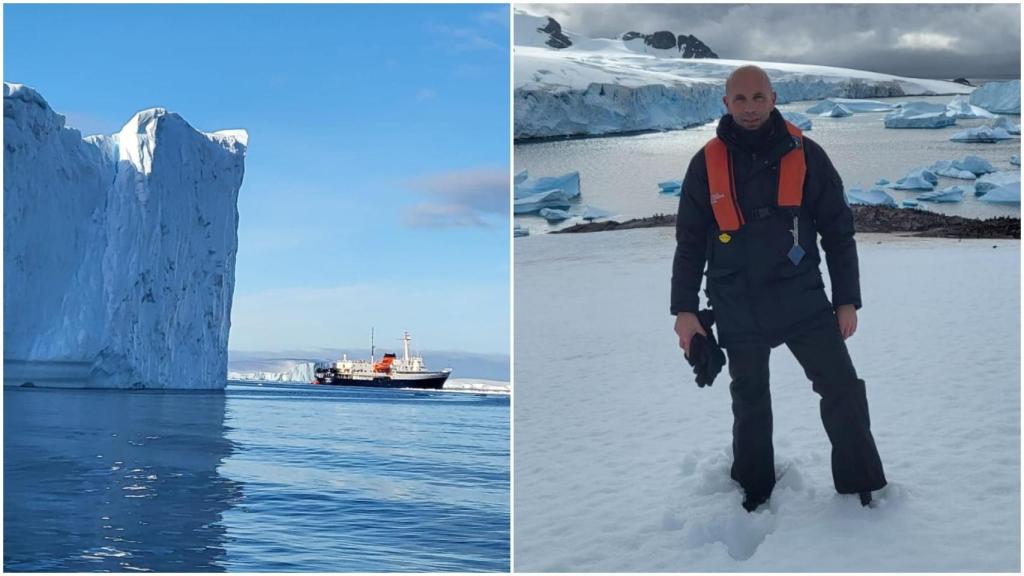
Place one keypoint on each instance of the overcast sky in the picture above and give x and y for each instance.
(919, 40)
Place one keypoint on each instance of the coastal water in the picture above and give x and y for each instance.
(255, 478)
(620, 174)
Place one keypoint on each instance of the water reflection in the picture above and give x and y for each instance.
(115, 480)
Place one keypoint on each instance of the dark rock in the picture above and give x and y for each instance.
(867, 219)
(555, 37)
(962, 81)
(662, 40)
(692, 47)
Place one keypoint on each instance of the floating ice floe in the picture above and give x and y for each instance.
(961, 107)
(1015, 160)
(951, 194)
(909, 203)
(546, 192)
(975, 164)
(674, 187)
(554, 214)
(981, 134)
(851, 104)
(1009, 194)
(797, 119)
(519, 231)
(920, 115)
(872, 197)
(882, 182)
(998, 97)
(921, 179)
(995, 180)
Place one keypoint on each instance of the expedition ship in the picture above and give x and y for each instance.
(390, 372)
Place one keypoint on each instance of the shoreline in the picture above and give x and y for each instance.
(867, 219)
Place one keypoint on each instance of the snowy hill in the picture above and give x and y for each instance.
(607, 86)
(119, 251)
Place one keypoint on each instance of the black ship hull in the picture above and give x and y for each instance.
(431, 383)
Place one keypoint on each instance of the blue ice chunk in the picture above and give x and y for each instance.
(554, 214)
(951, 194)
(873, 197)
(920, 115)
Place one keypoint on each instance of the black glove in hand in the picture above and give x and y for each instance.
(706, 356)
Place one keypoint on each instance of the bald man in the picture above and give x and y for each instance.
(755, 199)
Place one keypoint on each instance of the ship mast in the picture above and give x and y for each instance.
(405, 347)
(371, 345)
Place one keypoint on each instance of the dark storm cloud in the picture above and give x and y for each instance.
(921, 40)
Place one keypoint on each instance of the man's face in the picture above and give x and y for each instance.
(749, 99)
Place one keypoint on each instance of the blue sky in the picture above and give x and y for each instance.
(376, 185)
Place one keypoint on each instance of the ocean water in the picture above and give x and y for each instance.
(255, 478)
(621, 173)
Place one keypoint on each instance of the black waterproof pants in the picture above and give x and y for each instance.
(821, 351)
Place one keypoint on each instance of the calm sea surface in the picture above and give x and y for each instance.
(255, 478)
(621, 174)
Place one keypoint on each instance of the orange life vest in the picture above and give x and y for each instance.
(722, 187)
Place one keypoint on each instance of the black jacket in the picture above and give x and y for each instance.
(758, 294)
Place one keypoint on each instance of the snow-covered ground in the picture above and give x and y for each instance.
(606, 86)
(622, 463)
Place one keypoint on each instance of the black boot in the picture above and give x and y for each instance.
(865, 498)
(752, 501)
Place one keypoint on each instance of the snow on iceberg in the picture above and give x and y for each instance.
(962, 108)
(995, 180)
(851, 104)
(873, 197)
(998, 97)
(951, 194)
(799, 120)
(836, 111)
(920, 115)
(119, 251)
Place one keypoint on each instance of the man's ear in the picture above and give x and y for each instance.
(725, 102)
(775, 97)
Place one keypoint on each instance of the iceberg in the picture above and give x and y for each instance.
(518, 231)
(670, 185)
(554, 214)
(975, 164)
(568, 183)
(990, 182)
(920, 115)
(797, 119)
(909, 203)
(521, 176)
(922, 179)
(1004, 123)
(998, 97)
(1015, 159)
(556, 198)
(981, 134)
(961, 107)
(836, 111)
(119, 250)
(873, 197)
(851, 104)
(1008, 194)
(882, 182)
(946, 168)
(951, 194)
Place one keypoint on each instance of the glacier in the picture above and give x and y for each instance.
(119, 250)
(601, 86)
(998, 97)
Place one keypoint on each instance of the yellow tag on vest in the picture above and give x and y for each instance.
(724, 238)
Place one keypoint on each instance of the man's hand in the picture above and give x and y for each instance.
(687, 325)
(847, 316)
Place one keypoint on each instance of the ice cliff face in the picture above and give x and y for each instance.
(119, 251)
